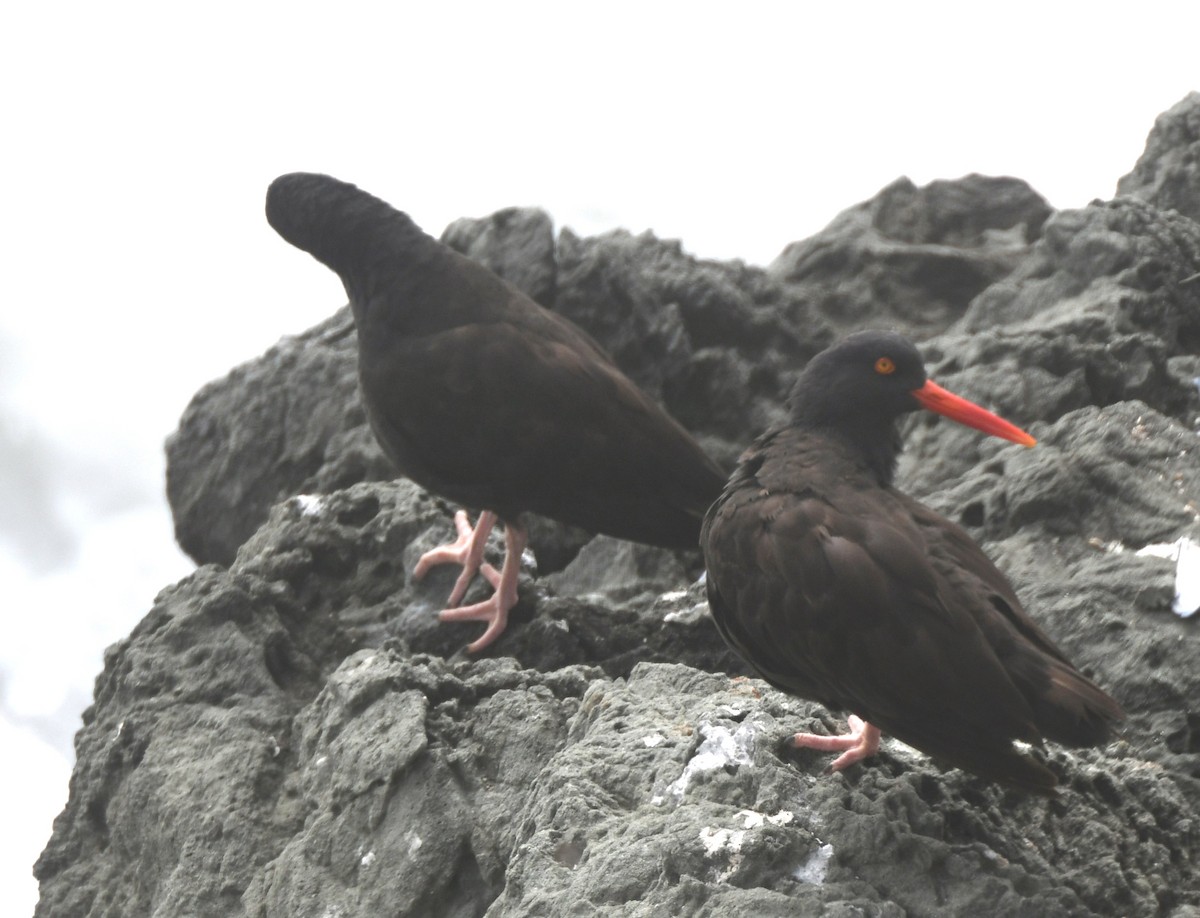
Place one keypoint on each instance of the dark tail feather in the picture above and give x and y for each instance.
(1074, 711)
(981, 753)
(1067, 707)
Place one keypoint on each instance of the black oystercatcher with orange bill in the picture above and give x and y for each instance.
(479, 394)
(840, 589)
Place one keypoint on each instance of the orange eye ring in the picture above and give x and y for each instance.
(885, 366)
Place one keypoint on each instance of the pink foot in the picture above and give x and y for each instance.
(494, 610)
(466, 550)
(860, 743)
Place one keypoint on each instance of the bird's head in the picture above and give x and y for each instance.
(860, 386)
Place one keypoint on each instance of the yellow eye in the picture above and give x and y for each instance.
(885, 365)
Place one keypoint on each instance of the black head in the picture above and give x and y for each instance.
(867, 378)
(857, 389)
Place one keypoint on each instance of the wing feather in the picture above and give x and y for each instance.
(858, 597)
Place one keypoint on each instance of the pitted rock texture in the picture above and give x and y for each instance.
(1168, 172)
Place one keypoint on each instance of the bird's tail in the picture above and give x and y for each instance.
(1073, 710)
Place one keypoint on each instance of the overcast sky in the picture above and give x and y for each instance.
(137, 264)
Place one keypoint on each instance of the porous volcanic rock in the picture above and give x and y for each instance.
(1168, 173)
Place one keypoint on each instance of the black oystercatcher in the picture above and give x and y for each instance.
(841, 589)
(479, 394)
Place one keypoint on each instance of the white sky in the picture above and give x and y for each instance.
(140, 140)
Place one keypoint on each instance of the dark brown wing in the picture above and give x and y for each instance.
(526, 413)
(828, 587)
(1068, 707)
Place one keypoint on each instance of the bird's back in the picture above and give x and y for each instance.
(479, 394)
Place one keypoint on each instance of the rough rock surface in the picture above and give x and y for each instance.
(1168, 173)
(289, 731)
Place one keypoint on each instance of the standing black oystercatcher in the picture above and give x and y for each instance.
(480, 395)
(841, 589)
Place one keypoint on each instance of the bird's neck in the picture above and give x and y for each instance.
(878, 445)
(369, 244)
(875, 442)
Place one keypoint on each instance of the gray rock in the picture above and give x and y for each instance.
(288, 423)
(913, 258)
(413, 776)
(672, 796)
(1094, 315)
(295, 734)
(1168, 172)
(621, 572)
(1114, 268)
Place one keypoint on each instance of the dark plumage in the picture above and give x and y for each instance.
(841, 589)
(480, 395)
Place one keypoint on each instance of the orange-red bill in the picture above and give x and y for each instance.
(935, 398)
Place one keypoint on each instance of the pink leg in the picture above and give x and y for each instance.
(860, 743)
(467, 550)
(494, 610)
